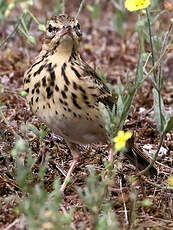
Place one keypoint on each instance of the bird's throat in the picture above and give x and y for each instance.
(65, 47)
(66, 51)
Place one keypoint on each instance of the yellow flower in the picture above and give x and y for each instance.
(121, 138)
(133, 5)
(170, 180)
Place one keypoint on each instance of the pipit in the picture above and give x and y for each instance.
(65, 92)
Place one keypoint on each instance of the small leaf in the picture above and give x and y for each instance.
(120, 87)
(140, 24)
(11, 6)
(170, 180)
(14, 153)
(31, 39)
(42, 27)
(23, 93)
(43, 132)
(95, 10)
(2, 107)
(159, 111)
(21, 145)
(25, 11)
(139, 74)
(90, 8)
(30, 2)
(32, 128)
(146, 203)
(120, 106)
(169, 125)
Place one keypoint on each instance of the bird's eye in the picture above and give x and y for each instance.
(78, 26)
(77, 29)
(56, 29)
(50, 28)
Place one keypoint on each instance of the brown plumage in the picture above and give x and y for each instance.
(64, 91)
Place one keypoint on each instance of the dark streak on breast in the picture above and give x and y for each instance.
(44, 81)
(74, 101)
(73, 55)
(49, 92)
(39, 70)
(76, 72)
(63, 68)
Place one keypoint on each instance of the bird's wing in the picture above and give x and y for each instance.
(96, 86)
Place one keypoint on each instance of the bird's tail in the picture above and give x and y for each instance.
(139, 158)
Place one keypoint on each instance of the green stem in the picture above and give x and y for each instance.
(164, 188)
(13, 32)
(151, 43)
(25, 29)
(157, 83)
(6, 122)
(33, 17)
(141, 37)
(80, 8)
(63, 6)
(162, 54)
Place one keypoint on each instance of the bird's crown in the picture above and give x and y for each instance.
(62, 26)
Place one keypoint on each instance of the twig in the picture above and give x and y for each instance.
(80, 8)
(6, 122)
(153, 67)
(163, 51)
(166, 37)
(12, 224)
(165, 166)
(124, 204)
(145, 64)
(156, 185)
(13, 32)
(63, 6)
(32, 16)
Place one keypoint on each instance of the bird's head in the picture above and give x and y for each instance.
(63, 30)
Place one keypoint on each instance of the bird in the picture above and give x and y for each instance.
(65, 92)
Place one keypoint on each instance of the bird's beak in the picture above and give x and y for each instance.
(67, 29)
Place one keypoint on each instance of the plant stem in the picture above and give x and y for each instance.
(141, 37)
(32, 16)
(162, 54)
(6, 122)
(63, 7)
(80, 8)
(13, 32)
(151, 43)
(157, 185)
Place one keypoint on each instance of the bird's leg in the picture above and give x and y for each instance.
(76, 155)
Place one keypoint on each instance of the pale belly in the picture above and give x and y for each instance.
(79, 131)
